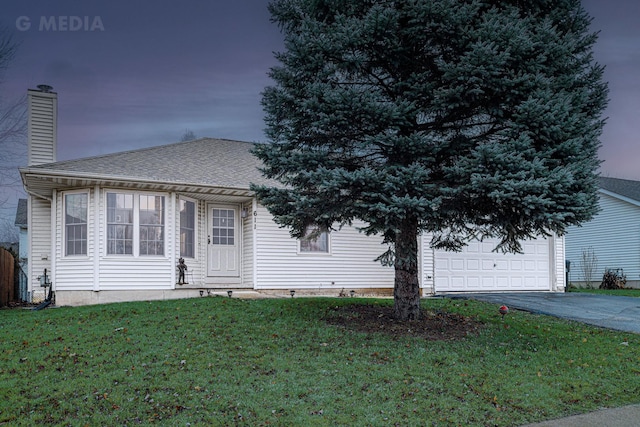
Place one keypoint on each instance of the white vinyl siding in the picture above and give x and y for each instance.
(350, 264)
(40, 256)
(426, 263)
(43, 119)
(247, 246)
(614, 235)
(559, 278)
(74, 272)
(135, 274)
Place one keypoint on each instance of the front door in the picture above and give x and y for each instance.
(223, 241)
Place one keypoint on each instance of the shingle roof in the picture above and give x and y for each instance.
(623, 187)
(21, 213)
(206, 161)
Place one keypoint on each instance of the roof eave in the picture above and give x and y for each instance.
(28, 174)
(620, 197)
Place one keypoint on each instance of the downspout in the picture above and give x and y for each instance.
(97, 248)
(171, 237)
(554, 267)
(54, 254)
(29, 251)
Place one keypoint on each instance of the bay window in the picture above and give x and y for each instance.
(135, 224)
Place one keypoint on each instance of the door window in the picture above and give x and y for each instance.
(223, 229)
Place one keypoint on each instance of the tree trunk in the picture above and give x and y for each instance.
(406, 292)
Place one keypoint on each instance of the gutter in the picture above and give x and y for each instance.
(49, 173)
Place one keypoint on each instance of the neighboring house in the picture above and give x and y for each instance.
(21, 222)
(112, 228)
(10, 246)
(613, 235)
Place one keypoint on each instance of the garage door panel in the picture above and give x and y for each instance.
(473, 247)
(457, 264)
(478, 268)
(502, 265)
(487, 264)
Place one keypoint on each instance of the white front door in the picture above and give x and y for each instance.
(223, 246)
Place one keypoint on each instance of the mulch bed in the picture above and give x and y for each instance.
(433, 326)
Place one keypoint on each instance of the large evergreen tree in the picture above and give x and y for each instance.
(462, 118)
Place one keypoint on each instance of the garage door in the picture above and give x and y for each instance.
(477, 268)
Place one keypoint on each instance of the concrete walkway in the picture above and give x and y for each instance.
(606, 311)
(627, 416)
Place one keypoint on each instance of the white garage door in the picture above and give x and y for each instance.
(477, 268)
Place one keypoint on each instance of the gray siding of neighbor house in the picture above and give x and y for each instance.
(614, 235)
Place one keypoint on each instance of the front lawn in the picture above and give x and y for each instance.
(286, 362)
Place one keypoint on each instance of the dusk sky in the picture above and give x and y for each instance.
(137, 74)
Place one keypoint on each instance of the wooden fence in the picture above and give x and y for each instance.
(7, 285)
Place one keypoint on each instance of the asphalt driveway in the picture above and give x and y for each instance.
(606, 311)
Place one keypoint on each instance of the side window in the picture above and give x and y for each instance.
(119, 224)
(75, 223)
(314, 241)
(151, 225)
(187, 228)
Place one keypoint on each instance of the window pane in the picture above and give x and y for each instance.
(151, 240)
(151, 233)
(319, 244)
(187, 228)
(223, 226)
(119, 224)
(75, 215)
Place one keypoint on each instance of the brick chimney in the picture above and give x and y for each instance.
(42, 127)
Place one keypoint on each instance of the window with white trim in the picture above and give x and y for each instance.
(151, 225)
(75, 223)
(223, 230)
(119, 224)
(135, 224)
(187, 228)
(314, 241)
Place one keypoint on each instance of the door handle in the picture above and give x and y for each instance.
(208, 240)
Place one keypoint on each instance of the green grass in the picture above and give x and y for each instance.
(220, 361)
(618, 292)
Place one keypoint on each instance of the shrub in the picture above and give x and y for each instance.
(613, 279)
